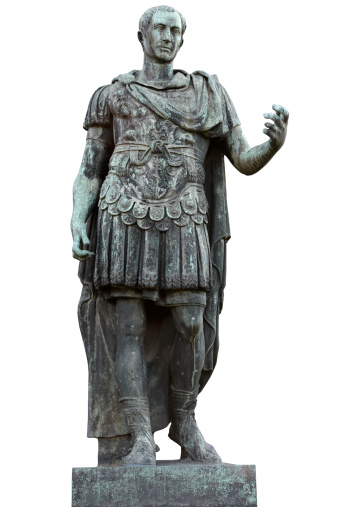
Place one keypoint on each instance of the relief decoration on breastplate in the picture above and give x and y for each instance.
(156, 172)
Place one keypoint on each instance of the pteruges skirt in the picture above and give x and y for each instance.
(129, 257)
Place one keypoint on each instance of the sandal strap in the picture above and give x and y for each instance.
(183, 402)
(138, 417)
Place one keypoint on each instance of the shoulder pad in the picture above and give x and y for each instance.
(98, 113)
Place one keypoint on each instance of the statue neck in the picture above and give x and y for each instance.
(155, 71)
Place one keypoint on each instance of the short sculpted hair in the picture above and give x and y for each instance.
(147, 16)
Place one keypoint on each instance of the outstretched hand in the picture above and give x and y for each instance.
(80, 234)
(277, 130)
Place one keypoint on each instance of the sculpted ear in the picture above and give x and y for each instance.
(140, 37)
(181, 44)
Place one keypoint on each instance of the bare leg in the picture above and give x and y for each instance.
(186, 367)
(131, 368)
(131, 372)
(188, 352)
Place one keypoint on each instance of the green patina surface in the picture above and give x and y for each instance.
(150, 227)
(165, 485)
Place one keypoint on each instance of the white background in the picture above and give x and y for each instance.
(272, 400)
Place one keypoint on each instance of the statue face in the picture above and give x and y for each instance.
(163, 37)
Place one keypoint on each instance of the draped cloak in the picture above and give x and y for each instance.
(213, 116)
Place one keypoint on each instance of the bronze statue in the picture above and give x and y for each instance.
(150, 227)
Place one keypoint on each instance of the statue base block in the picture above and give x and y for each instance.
(169, 483)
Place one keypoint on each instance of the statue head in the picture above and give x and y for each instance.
(161, 32)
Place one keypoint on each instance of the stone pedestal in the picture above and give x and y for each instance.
(168, 484)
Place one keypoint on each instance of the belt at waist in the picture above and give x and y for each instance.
(173, 152)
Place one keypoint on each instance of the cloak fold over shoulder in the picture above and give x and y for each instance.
(97, 315)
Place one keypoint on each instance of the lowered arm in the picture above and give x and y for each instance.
(86, 190)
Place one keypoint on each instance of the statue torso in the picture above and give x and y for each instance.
(156, 165)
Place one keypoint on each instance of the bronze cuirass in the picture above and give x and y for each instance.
(156, 166)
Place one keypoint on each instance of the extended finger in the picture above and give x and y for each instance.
(271, 133)
(78, 253)
(281, 111)
(271, 125)
(82, 255)
(274, 117)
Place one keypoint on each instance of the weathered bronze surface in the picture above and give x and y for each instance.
(150, 227)
(169, 484)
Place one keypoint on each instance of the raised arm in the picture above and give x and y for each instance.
(93, 170)
(251, 160)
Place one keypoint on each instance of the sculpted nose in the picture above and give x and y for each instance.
(166, 35)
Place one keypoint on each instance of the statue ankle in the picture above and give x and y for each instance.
(184, 430)
(183, 404)
(138, 417)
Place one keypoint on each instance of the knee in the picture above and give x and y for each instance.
(131, 324)
(189, 327)
(134, 328)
